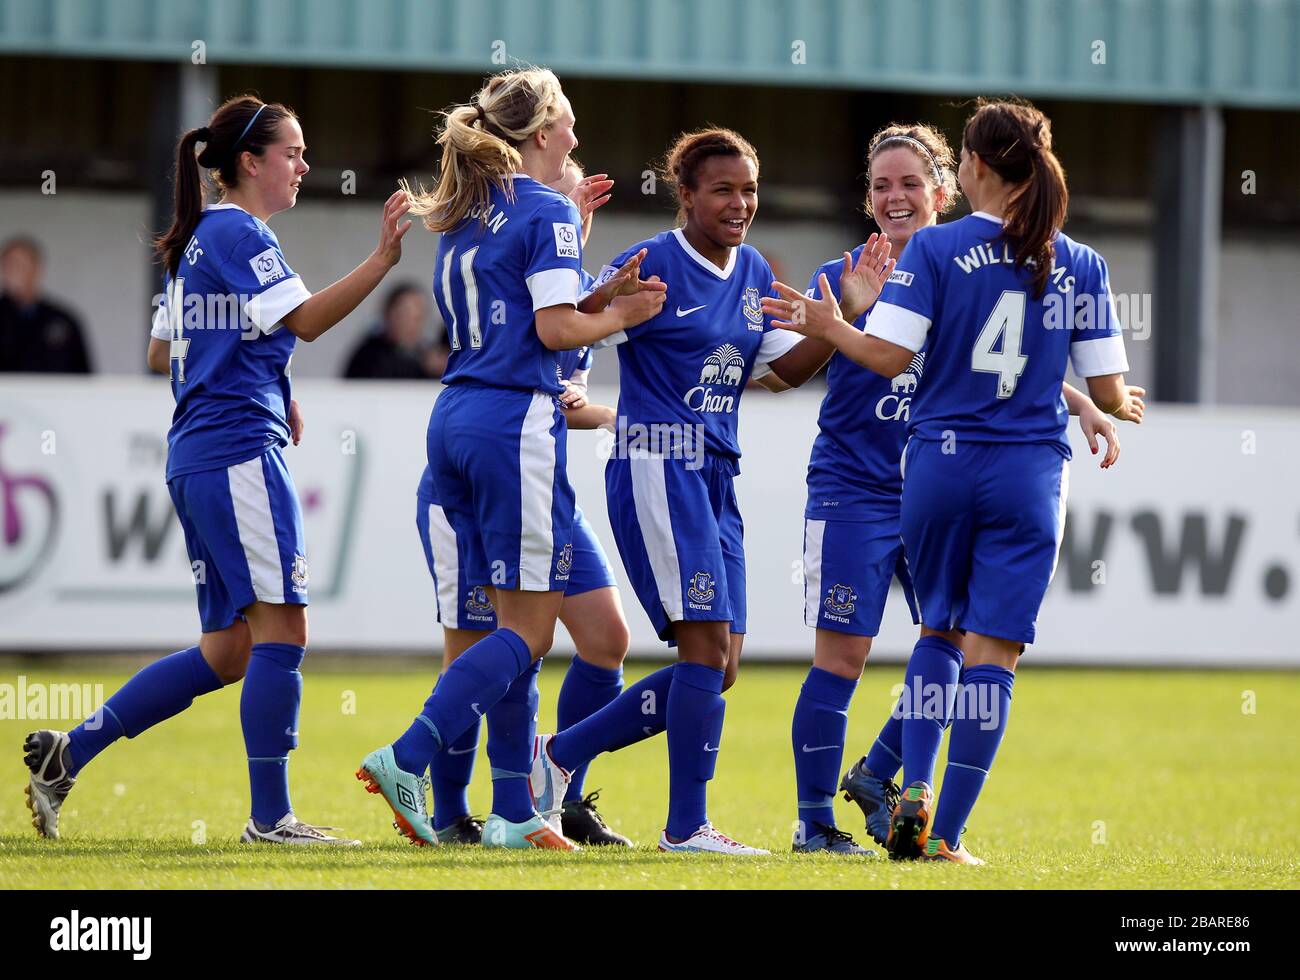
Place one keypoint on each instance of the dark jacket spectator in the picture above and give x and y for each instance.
(35, 334)
(401, 347)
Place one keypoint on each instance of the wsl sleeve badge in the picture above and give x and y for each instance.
(267, 267)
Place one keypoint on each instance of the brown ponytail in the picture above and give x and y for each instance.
(189, 202)
(242, 124)
(1015, 141)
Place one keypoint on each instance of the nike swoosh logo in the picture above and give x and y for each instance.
(820, 748)
(713, 749)
(462, 751)
(291, 734)
(474, 706)
(681, 312)
(648, 731)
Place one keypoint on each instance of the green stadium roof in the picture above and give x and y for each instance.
(1228, 52)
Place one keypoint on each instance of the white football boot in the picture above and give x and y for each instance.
(290, 830)
(547, 783)
(47, 758)
(706, 840)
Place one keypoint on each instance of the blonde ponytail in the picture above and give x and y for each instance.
(480, 144)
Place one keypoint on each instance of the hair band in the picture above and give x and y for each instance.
(899, 137)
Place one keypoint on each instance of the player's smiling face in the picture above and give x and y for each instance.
(724, 200)
(560, 141)
(282, 166)
(902, 194)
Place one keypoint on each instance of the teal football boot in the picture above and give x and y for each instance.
(404, 793)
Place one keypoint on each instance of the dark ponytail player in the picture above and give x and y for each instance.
(1004, 300)
(232, 312)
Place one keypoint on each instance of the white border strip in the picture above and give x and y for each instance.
(1099, 356)
(814, 532)
(536, 488)
(446, 567)
(256, 529)
(650, 495)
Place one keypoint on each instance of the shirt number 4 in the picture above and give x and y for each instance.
(1004, 328)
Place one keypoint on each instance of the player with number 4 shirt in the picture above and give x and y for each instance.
(1003, 300)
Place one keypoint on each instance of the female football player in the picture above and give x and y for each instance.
(591, 611)
(852, 547)
(1003, 298)
(507, 283)
(233, 311)
(669, 482)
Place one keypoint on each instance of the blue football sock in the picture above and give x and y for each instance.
(885, 756)
(695, 712)
(586, 689)
(268, 712)
(821, 720)
(449, 774)
(640, 712)
(165, 688)
(475, 681)
(983, 705)
(512, 725)
(931, 687)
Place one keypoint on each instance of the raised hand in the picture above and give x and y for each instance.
(792, 310)
(392, 229)
(628, 279)
(640, 306)
(591, 193)
(861, 282)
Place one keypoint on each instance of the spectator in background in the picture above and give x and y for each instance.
(402, 346)
(35, 335)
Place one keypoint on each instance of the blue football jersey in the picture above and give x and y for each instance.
(221, 311)
(997, 355)
(506, 260)
(574, 366)
(853, 473)
(689, 364)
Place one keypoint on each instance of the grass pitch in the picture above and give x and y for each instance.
(1106, 779)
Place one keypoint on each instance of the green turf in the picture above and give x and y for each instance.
(1107, 779)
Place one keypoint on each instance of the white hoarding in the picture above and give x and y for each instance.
(1187, 552)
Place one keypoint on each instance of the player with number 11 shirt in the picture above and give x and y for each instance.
(507, 281)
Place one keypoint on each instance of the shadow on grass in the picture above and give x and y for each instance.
(396, 856)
